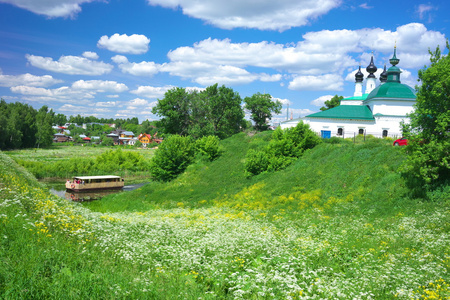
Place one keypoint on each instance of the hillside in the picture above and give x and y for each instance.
(364, 172)
(338, 224)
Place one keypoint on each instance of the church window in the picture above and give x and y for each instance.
(340, 131)
(361, 131)
(385, 133)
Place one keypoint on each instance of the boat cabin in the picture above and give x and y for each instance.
(92, 183)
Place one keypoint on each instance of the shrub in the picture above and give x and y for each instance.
(173, 156)
(208, 146)
(284, 148)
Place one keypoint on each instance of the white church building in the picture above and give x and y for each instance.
(378, 111)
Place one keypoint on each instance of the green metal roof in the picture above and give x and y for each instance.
(363, 97)
(392, 90)
(353, 112)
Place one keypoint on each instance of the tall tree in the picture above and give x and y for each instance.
(429, 131)
(333, 102)
(44, 134)
(174, 110)
(261, 108)
(225, 111)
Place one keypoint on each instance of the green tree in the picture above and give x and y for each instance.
(333, 102)
(44, 134)
(225, 112)
(261, 108)
(214, 111)
(429, 130)
(59, 119)
(174, 110)
(173, 156)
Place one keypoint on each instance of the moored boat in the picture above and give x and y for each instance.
(94, 183)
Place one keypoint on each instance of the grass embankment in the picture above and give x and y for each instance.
(338, 224)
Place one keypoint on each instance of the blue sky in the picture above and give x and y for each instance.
(115, 58)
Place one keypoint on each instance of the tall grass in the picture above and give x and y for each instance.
(338, 224)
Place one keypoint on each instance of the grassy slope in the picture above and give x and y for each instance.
(366, 172)
(341, 213)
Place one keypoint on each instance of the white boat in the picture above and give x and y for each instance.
(93, 183)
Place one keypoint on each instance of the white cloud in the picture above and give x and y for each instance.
(318, 54)
(263, 14)
(207, 74)
(133, 44)
(327, 82)
(90, 55)
(100, 86)
(106, 104)
(270, 78)
(151, 91)
(138, 102)
(50, 8)
(283, 101)
(73, 65)
(424, 9)
(321, 100)
(138, 69)
(62, 94)
(27, 80)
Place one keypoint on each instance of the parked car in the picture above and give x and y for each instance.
(401, 142)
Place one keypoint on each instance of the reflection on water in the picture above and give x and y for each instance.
(87, 196)
(60, 191)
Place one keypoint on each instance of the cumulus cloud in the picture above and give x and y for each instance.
(100, 86)
(321, 100)
(266, 15)
(151, 91)
(133, 44)
(73, 65)
(207, 74)
(327, 82)
(106, 104)
(138, 69)
(90, 55)
(51, 8)
(317, 54)
(28, 80)
(62, 94)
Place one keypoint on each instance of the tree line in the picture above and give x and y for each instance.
(215, 111)
(22, 126)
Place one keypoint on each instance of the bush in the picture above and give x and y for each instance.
(173, 156)
(208, 146)
(284, 148)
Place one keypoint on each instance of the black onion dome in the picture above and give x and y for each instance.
(383, 75)
(359, 76)
(371, 68)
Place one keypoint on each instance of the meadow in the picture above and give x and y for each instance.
(340, 223)
(64, 161)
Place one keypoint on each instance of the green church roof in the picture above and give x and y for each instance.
(353, 98)
(392, 90)
(353, 112)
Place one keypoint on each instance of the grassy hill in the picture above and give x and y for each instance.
(340, 223)
(365, 172)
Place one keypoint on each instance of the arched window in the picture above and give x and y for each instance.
(361, 131)
(385, 133)
(340, 131)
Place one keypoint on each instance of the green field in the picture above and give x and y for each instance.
(340, 223)
(61, 162)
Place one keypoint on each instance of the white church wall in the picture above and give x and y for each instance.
(391, 107)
